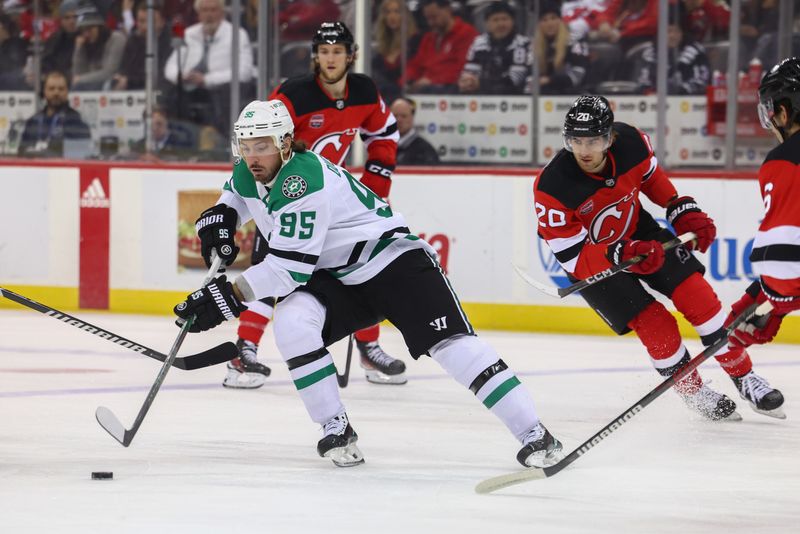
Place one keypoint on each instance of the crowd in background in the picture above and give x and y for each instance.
(418, 46)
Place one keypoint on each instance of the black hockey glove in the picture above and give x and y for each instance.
(216, 227)
(212, 304)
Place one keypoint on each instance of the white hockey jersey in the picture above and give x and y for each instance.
(316, 216)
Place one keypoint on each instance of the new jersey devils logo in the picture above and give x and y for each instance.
(335, 145)
(613, 221)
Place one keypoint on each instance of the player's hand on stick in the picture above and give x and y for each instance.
(216, 228)
(623, 251)
(685, 216)
(756, 330)
(212, 305)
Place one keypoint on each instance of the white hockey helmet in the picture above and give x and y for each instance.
(263, 118)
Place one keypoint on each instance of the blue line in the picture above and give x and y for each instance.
(280, 383)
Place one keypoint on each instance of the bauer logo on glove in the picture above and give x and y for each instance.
(212, 305)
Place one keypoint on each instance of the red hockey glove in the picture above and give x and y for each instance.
(781, 304)
(652, 251)
(684, 216)
(757, 330)
(378, 178)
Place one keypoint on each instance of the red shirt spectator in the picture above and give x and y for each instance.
(706, 19)
(442, 51)
(299, 19)
(630, 21)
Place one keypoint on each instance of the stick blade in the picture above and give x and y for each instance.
(509, 479)
(213, 356)
(544, 288)
(112, 425)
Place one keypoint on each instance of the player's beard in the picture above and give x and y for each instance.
(326, 79)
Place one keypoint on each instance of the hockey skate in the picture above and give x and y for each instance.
(763, 399)
(339, 442)
(245, 371)
(379, 367)
(711, 405)
(540, 448)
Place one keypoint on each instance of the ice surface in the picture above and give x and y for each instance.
(209, 459)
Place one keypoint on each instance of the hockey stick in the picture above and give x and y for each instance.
(219, 354)
(561, 292)
(345, 377)
(534, 473)
(106, 417)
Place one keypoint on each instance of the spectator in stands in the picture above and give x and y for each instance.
(169, 144)
(562, 61)
(394, 22)
(204, 71)
(582, 16)
(706, 20)
(298, 19)
(629, 22)
(760, 31)
(438, 63)
(498, 61)
(46, 131)
(131, 74)
(180, 12)
(98, 52)
(59, 47)
(412, 148)
(13, 55)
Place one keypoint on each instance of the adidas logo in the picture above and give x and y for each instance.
(94, 196)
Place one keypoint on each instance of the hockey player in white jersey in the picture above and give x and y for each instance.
(340, 259)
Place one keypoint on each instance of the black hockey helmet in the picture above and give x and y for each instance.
(589, 116)
(333, 33)
(781, 85)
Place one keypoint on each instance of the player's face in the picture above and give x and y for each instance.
(590, 152)
(332, 60)
(262, 157)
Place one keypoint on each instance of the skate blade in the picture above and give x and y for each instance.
(540, 460)
(347, 456)
(734, 417)
(376, 377)
(237, 380)
(777, 413)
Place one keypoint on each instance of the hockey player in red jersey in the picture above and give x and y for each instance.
(776, 249)
(329, 108)
(589, 212)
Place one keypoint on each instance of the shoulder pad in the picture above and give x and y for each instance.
(300, 177)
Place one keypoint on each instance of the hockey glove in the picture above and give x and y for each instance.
(684, 216)
(623, 251)
(756, 330)
(216, 228)
(212, 304)
(378, 178)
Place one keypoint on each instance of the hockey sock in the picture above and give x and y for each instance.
(253, 321)
(475, 365)
(367, 335)
(298, 335)
(314, 376)
(658, 331)
(696, 300)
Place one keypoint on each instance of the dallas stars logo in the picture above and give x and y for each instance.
(294, 187)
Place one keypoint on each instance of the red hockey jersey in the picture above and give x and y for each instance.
(328, 125)
(776, 250)
(581, 214)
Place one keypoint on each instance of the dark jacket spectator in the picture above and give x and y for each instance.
(442, 52)
(59, 47)
(171, 142)
(98, 52)
(562, 61)
(46, 131)
(13, 55)
(387, 59)
(412, 149)
(131, 74)
(498, 61)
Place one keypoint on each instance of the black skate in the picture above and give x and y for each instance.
(245, 371)
(339, 443)
(540, 448)
(763, 399)
(712, 405)
(379, 367)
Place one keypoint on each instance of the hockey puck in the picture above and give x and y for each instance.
(102, 475)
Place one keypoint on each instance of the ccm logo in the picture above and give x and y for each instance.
(378, 169)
